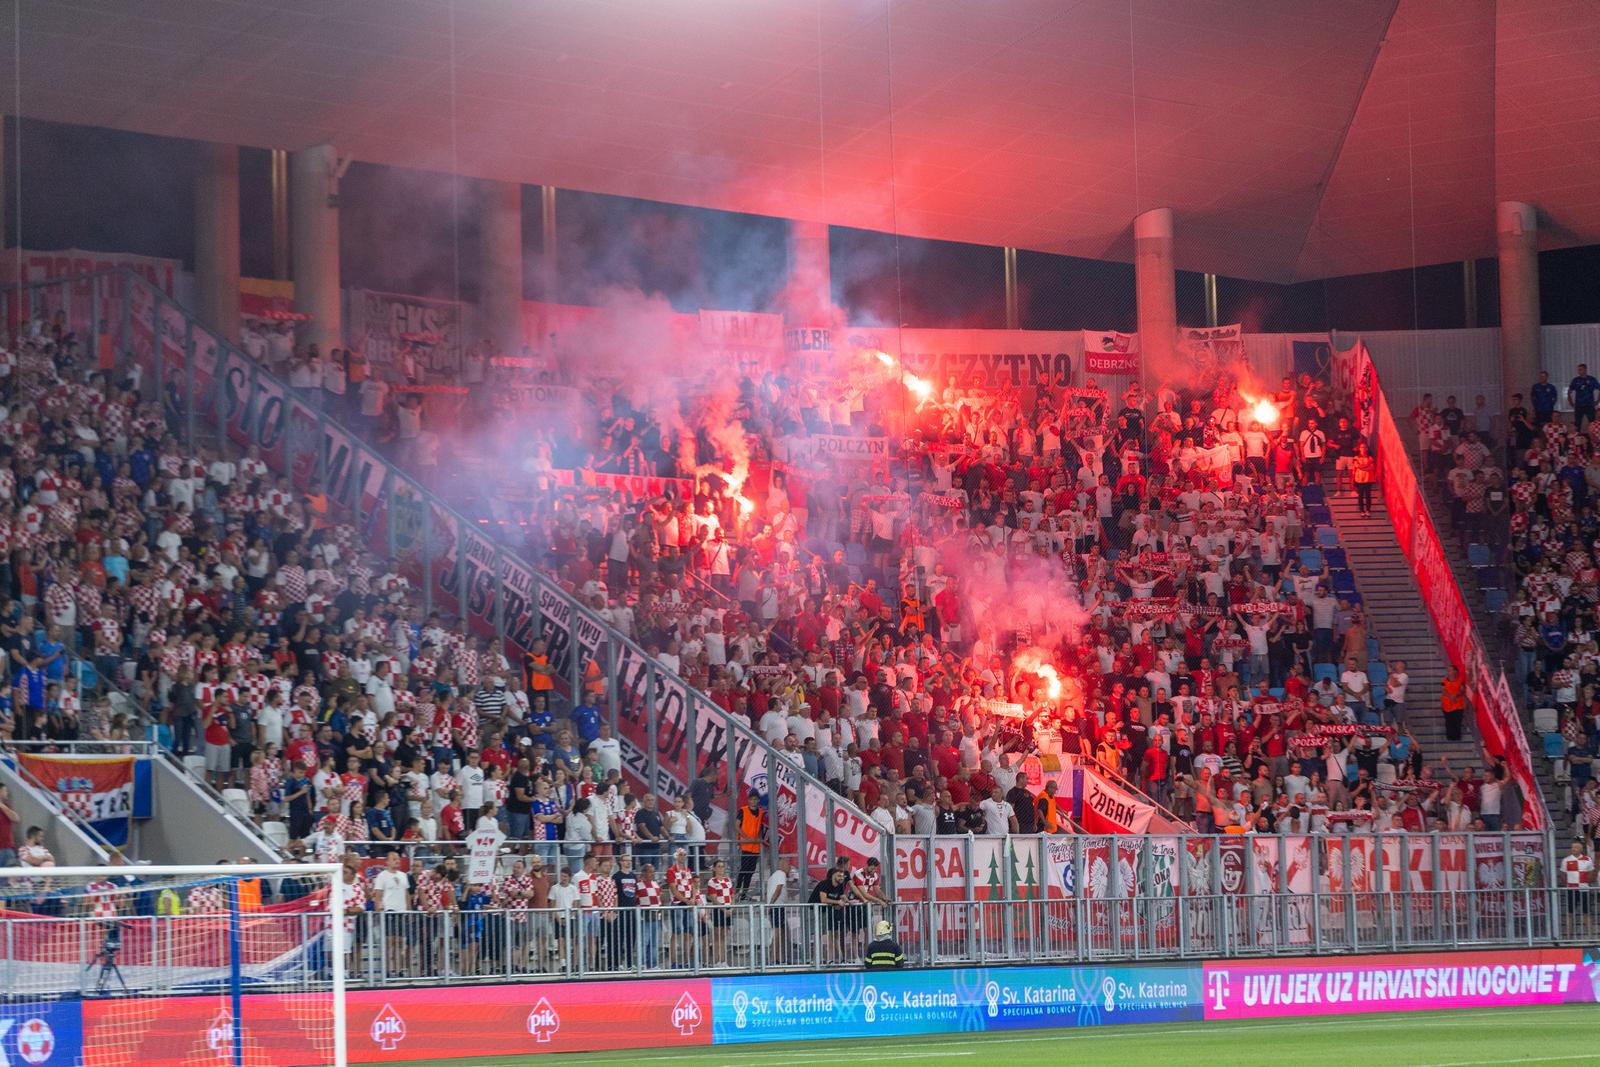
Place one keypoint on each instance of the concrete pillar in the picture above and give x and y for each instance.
(500, 269)
(1518, 228)
(809, 296)
(1156, 286)
(216, 239)
(314, 224)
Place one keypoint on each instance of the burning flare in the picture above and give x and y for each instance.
(1033, 661)
(1263, 410)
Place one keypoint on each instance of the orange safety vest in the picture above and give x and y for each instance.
(750, 829)
(1450, 694)
(1363, 469)
(1050, 813)
(317, 504)
(250, 894)
(539, 683)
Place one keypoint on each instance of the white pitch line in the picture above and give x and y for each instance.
(795, 1050)
(1590, 1056)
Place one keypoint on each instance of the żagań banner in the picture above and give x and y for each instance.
(1103, 808)
(1495, 711)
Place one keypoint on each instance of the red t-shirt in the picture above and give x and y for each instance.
(217, 727)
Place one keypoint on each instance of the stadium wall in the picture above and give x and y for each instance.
(406, 1024)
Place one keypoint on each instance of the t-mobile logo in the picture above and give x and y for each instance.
(1217, 990)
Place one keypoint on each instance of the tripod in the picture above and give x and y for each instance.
(106, 961)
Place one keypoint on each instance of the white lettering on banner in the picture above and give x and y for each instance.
(382, 325)
(752, 341)
(808, 339)
(839, 446)
(539, 395)
(1386, 985)
(989, 359)
(1110, 352)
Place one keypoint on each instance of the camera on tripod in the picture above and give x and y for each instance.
(112, 943)
(103, 968)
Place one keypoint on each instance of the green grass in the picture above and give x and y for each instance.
(1476, 1038)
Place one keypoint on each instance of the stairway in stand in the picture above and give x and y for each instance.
(1399, 619)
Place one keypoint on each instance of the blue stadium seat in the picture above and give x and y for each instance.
(1373, 649)
(1355, 600)
(1336, 557)
(1311, 559)
(1343, 582)
(1276, 692)
(1555, 746)
(1308, 536)
(1478, 555)
(1313, 494)
(1490, 577)
(1494, 599)
(1319, 514)
(1327, 537)
(1320, 671)
(1377, 674)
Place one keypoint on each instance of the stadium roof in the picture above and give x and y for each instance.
(1293, 138)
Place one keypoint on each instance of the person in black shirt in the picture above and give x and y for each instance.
(647, 827)
(1581, 394)
(948, 818)
(627, 882)
(1451, 415)
(1522, 430)
(519, 800)
(1021, 802)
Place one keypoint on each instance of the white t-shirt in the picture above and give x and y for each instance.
(997, 815)
(390, 888)
(608, 750)
(469, 780)
(777, 887)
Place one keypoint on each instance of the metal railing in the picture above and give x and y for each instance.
(674, 732)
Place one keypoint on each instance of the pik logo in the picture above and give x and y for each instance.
(741, 1009)
(543, 1022)
(388, 1028)
(1217, 990)
(219, 1037)
(991, 993)
(869, 1004)
(687, 1016)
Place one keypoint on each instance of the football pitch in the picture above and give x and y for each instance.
(1476, 1038)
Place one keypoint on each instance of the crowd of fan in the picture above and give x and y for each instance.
(851, 623)
(1534, 521)
(855, 616)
